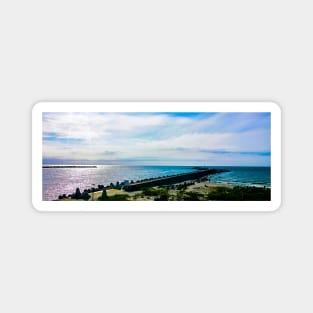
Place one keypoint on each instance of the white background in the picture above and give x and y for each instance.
(155, 262)
(154, 106)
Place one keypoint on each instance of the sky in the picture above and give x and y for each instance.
(233, 139)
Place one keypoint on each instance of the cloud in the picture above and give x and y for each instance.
(157, 137)
(89, 126)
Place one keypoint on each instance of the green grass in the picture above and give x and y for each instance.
(154, 192)
(115, 198)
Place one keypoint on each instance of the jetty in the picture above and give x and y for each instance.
(173, 179)
(69, 166)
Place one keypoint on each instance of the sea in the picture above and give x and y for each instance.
(59, 181)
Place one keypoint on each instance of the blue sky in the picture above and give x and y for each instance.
(241, 139)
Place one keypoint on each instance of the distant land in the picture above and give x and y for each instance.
(69, 166)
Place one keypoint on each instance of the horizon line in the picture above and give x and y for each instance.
(194, 165)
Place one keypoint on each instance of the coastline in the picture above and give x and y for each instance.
(199, 187)
(64, 181)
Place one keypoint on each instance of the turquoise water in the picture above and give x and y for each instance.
(58, 181)
(247, 176)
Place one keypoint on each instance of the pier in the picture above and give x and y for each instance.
(173, 179)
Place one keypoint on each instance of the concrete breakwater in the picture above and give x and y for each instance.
(173, 179)
(199, 173)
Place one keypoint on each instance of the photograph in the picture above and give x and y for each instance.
(156, 156)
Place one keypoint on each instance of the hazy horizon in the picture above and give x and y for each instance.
(86, 163)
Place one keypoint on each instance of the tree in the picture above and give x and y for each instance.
(85, 195)
(104, 195)
(77, 194)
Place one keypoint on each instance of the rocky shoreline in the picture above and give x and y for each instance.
(197, 174)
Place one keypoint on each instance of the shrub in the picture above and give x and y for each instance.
(114, 198)
(85, 195)
(155, 192)
(150, 191)
(104, 195)
(191, 196)
(77, 194)
(163, 197)
(118, 198)
(240, 193)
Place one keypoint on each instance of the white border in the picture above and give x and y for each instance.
(157, 206)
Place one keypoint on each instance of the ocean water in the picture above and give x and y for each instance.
(244, 176)
(58, 181)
